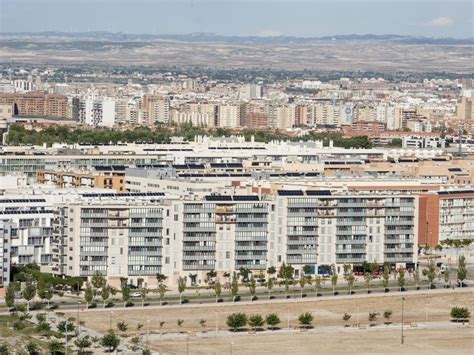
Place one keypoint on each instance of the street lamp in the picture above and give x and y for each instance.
(78, 319)
(402, 336)
(147, 325)
(231, 343)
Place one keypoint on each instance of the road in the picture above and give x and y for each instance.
(262, 296)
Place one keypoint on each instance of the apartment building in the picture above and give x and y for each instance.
(446, 215)
(158, 108)
(36, 104)
(119, 235)
(26, 232)
(108, 177)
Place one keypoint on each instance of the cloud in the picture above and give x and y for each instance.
(269, 33)
(442, 21)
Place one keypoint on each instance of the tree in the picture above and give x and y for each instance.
(244, 272)
(88, 294)
(252, 286)
(334, 277)
(28, 293)
(45, 291)
(271, 270)
(110, 341)
(401, 278)
(236, 321)
(346, 318)
(234, 286)
(256, 321)
(143, 293)
(272, 320)
(217, 289)
(181, 287)
(347, 268)
(10, 296)
(302, 283)
(125, 290)
(386, 276)
(32, 348)
(98, 281)
(416, 277)
(318, 281)
(161, 291)
(431, 273)
(270, 285)
(4, 349)
(350, 278)
(306, 319)
(373, 316)
(66, 327)
(160, 278)
(462, 270)
(105, 294)
(83, 343)
(202, 323)
(368, 279)
(122, 326)
(55, 347)
(446, 277)
(387, 314)
(460, 313)
(286, 273)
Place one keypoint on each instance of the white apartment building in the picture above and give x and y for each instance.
(229, 116)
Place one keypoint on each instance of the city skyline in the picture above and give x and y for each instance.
(306, 19)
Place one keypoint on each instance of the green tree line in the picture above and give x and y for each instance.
(17, 135)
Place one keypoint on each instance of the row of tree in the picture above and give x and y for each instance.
(17, 134)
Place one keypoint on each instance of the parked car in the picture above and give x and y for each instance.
(136, 295)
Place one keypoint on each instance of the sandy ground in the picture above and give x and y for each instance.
(419, 341)
(329, 336)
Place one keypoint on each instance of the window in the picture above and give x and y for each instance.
(227, 254)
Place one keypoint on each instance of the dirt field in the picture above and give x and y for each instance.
(329, 337)
(417, 341)
(326, 312)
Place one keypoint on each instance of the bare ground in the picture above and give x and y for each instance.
(329, 337)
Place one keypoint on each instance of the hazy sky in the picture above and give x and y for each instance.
(447, 18)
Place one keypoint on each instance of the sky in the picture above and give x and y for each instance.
(304, 18)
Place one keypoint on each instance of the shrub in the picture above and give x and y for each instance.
(19, 325)
(272, 320)
(256, 321)
(122, 326)
(236, 320)
(460, 314)
(305, 319)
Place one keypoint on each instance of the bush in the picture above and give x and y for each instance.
(305, 319)
(237, 298)
(236, 321)
(256, 321)
(185, 300)
(19, 325)
(43, 327)
(4, 349)
(272, 320)
(460, 314)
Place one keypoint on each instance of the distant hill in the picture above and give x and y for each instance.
(215, 38)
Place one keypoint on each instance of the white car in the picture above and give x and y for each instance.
(136, 295)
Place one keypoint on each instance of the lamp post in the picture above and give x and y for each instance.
(231, 344)
(65, 336)
(147, 327)
(217, 323)
(78, 317)
(402, 336)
